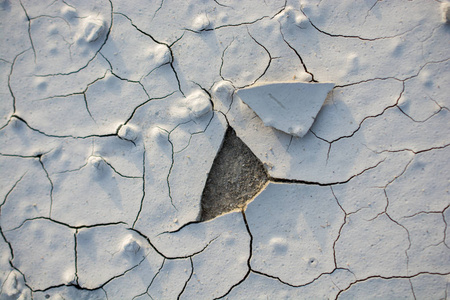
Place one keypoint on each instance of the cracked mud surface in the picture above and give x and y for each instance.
(112, 121)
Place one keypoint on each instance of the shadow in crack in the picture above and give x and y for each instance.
(236, 176)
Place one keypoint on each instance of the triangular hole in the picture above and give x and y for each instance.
(236, 176)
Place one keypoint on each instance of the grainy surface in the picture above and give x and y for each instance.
(236, 176)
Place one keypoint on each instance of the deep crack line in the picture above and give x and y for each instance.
(290, 181)
(222, 59)
(247, 227)
(9, 80)
(61, 136)
(51, 185)
(368, 117)
(65, 224)
(153, 279)
(340, 228)
(10, 191)
(159, 8)
(298, 55)
(189, 279)
(29, 29)
(143, 187)
(268, 65)
(170, 169)
(172, 257)
(356, 36)
(389, 277)
(76, 255)
(160, 43)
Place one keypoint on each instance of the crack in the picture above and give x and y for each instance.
(65, 224)
(117, 172)
(322, 139)
(62, 136)
(281, 9)
(235, 25)
(171, 164)
(290, 142)
(223, 5)
(161, 43)
(427, 212)
(445, 227)
(21, 156)
(180, 228)
(143, 187)
(356, 36)
(173, 152)
(290, 181)
(93, 57)
(370, 117)
(437, 104)
(87, 108)
(106, 294)
(154, 69)
(123, 274)
(388, 278)
(4, 281)
(126, 79)
(75, 93)
(420, 121)
(385, 193)
(447, 285)
(29, 29)
(443, 219)
(172, 257)
(51, 17)
(9, 80)
(76, 255)
(340, 229)
(175, 72)
(65, 2)
(151, 282)
(11, 189)
(248, 260)
(370, 9)
(159, 8)
(143, 103)
(78, 287)
(12, 258)
(412, 289)
(368, 80)
(223, 54)
(176, 41)
(390, 218)
(298, 55)
(197, 132)
(268, 65)
(300, 285)
(74, 170)
(101, 286)
(51, 185)
(187, 281)
(411, 150)
(409, 239)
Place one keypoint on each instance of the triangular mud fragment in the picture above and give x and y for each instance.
(236, 176)
(287, 106)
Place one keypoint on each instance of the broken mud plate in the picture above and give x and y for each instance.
(287, 106)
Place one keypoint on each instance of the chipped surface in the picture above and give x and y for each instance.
(112, 119)
(236, 176)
